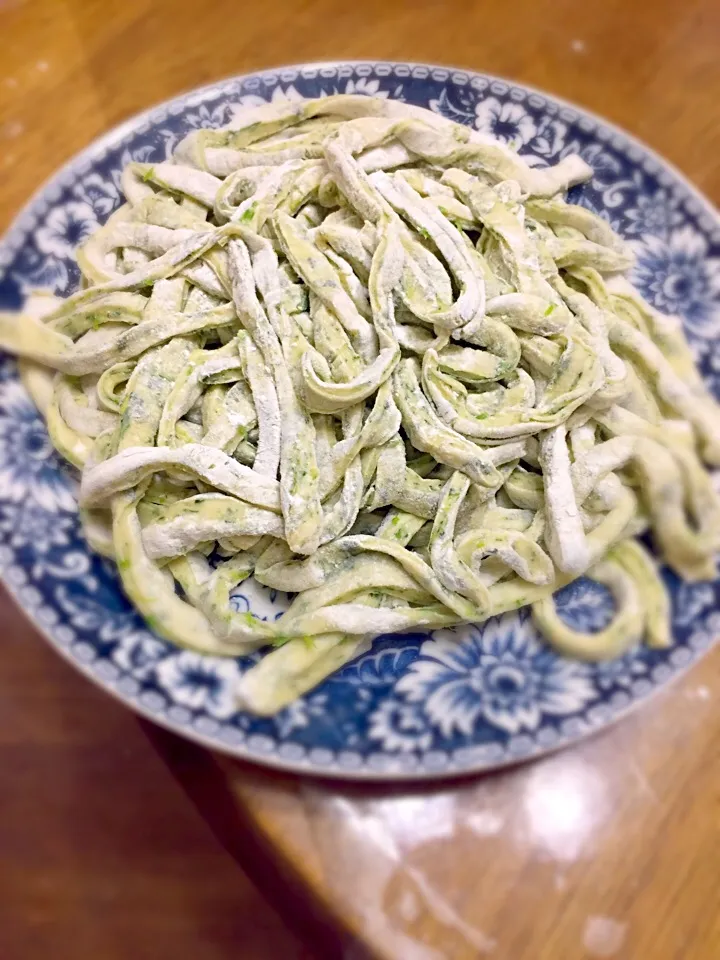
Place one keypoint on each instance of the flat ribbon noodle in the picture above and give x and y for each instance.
(374, 359)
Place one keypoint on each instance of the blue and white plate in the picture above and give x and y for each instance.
(417, 705)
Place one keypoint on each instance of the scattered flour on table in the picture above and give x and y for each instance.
(13, 128)
(603, 936)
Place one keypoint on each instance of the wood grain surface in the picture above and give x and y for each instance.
(103, 854)
(610, 849)
(119, 841)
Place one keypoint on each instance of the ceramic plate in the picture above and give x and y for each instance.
(417, 705)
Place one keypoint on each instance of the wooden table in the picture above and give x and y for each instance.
(118, 840)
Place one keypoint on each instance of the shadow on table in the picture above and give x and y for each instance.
(199, 775)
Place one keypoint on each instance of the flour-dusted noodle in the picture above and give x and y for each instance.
(373, 359)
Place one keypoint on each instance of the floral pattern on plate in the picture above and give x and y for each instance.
(414, 705)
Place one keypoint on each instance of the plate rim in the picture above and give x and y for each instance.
(305, 766)
(110, 137)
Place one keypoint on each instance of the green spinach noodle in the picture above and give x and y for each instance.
(373, 359)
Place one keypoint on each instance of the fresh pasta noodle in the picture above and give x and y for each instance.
(375, 360)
